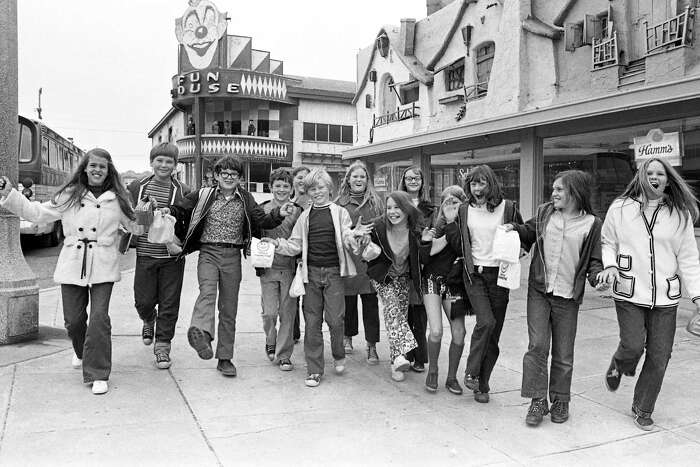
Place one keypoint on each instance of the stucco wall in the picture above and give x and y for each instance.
(177, 121)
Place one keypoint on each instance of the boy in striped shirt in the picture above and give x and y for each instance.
(159, 272)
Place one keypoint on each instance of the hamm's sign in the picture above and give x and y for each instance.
(657, 144)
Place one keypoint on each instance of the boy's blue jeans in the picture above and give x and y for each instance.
(325, 297)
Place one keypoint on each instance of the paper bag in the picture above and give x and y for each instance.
(506, 246)
(509, 275)
(261, 253)
(162, 229)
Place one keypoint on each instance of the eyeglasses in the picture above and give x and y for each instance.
(229, 175)
(413, 179)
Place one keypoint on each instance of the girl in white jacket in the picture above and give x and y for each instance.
(648, 246)
(91, 206)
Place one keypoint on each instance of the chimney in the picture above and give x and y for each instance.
(436, 5)
(408, 36)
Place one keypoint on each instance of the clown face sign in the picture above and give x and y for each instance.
(199, 30)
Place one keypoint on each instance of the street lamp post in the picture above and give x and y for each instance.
(19, 292)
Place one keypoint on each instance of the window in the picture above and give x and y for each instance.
(334, 133)
(309, 132)
(454, 75)
(347, 134)
(484, 62)
(25, 143)
(44, 150)
(383, 45)
(54, 156)
(321, 132)
(324, 132)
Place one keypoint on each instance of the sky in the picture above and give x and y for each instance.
(105, 66)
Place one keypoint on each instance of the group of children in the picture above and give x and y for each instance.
(419, 261)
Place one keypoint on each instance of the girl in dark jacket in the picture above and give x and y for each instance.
(472, 229)
(413, 183)
(443, 289)
(566, 238)
(393, 264)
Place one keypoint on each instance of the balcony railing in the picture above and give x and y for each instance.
(674, 32)
(475, 91)
(400, 114)
(247, 147)
(605, 51)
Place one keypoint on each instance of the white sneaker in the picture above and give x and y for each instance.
(398, 375)
(76, 362)
(339, 366)
(400, 364)
(99, 387)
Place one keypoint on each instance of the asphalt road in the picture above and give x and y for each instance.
(43, 261)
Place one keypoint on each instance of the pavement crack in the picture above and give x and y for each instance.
(196, 420)
(38, 357)
(7, 408)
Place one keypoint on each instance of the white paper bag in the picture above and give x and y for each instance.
(162, 230)
(261, 253)
(297, 287)
(506, 246)
(509, 275)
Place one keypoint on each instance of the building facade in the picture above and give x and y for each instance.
(532, 87)
(229, 98)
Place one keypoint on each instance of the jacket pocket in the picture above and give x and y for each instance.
(624, 262)
(674, 287)
(624, 286)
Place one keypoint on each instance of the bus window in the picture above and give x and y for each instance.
(45, 150)
(54, 156)
(25, 143)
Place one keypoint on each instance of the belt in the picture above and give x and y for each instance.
(224, 245)
(481, 269)
(86, 242)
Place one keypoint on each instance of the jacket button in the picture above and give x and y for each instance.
(94, 229)
(97, 206)
(82, 205)
(89, 246)
(80, 229)
(78, 247)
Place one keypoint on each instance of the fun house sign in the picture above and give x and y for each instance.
(206, 83)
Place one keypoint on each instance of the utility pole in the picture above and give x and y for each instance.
(38, 109)
(19, 292)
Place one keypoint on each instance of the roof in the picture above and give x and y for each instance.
(162, 121)
(321, 88)
(415, 66)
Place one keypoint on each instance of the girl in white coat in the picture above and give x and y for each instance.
(91, 206)
(648, 247)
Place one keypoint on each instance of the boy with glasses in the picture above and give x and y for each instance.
(221, 222)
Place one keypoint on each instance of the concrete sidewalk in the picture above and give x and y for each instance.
(191, 415)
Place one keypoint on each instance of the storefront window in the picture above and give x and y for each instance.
(609, 157)
(449, 169)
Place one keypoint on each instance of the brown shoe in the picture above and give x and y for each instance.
(226, 367)
(201, 342)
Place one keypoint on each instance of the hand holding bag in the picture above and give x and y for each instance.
(162, 229)
(262, 253)
(693, 326)
(297, 287)
(506, 246)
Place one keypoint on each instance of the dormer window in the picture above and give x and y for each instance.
(383, 45)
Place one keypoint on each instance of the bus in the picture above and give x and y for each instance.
(46, 160)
